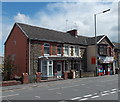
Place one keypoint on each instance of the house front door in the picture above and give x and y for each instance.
(59, 70)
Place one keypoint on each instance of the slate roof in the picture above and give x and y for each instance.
(38, 33)
(117, 45)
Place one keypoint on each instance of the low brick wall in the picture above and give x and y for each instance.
(9, 83)
(87, 74)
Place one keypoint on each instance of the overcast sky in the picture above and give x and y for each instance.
(62, 16)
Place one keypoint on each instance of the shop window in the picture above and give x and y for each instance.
(59, 49)
(46, 49)
(66, 50)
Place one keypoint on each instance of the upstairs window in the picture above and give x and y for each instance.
(72, 51)
(103, 50)
(66, 50)
(109, 51)
(46, 49)
(76, 51)
(59, 49)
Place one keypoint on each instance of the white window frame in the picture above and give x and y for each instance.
(68, 50)
(80, 52)
(75, 51)
(48, 64)
(44, 50)
(57, 50)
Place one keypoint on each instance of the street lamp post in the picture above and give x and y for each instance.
(96, 67)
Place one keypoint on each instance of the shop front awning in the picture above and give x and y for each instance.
(59, 58)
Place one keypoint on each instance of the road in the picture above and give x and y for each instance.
(80, 89)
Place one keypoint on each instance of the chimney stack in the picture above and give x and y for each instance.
(73, 32)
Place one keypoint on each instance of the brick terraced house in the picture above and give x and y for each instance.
(117, 56)
(35, 49)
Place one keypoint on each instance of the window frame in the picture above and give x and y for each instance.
(77, 51)
(59, 46)
(48, 65)
(103, 50)
(46, 47)
(66, 49)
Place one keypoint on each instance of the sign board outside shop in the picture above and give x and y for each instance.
(106, 59)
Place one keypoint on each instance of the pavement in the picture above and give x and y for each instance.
(79, 89)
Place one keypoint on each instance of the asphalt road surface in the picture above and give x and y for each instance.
(80, 89)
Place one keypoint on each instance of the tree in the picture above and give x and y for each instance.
(9, 68)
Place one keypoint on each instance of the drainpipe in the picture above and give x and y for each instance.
(29, 56)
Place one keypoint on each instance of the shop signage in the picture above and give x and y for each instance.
(106, 59)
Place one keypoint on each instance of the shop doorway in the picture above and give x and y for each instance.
(105, 69)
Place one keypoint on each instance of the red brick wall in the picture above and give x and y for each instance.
(17, 45)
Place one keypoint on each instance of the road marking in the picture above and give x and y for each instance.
(105, 91)
(83, 99)
(113, 92)
(9, 95)
(88, 95)
(95, 96)
(58, 93)
(82, 84)
(114, 89)
(105, 94)
(37, 96)
(76, 98)
(54, 88)
(11, 91)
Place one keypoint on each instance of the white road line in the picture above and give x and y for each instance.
(113, 92)
(88, 95)
(9, 95)
(83, 99)
(58, 93)
(11, 91)
(37, 96)
(75, 98)
(114, 89)
(54, 88)
(105, 94)
(95, 96)
(82, 84)
(105, 91)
